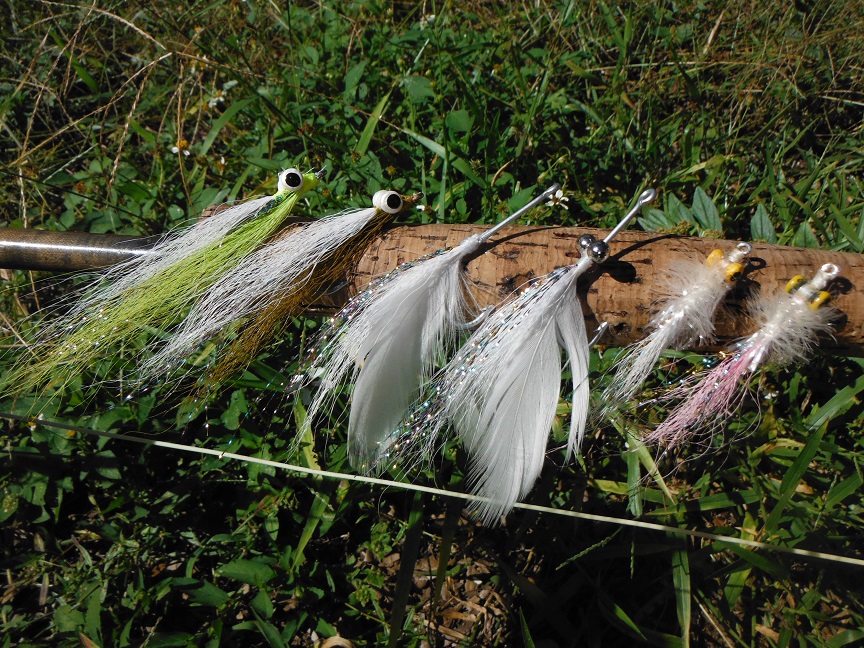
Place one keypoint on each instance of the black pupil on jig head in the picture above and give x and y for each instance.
(293, 179)
(394, 201)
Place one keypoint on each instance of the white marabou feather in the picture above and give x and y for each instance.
(500, 392)
(387, 341)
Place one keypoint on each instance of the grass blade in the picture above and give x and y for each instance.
(369, 130)
(405, 577)
(457, 162)
(792, 478)
(681, 581)
(220, 123)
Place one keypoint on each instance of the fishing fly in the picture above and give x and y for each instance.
(500, 391)
(789, 322)
(388, 339)
(692, 293)
(275, 283)
(154, 290)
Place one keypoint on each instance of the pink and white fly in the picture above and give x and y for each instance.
(790, 323)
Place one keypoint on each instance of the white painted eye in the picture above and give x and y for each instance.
(388, 201)
(290, 179)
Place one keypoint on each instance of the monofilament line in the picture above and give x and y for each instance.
(650, 526)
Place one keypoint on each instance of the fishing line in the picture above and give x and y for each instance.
(651, 526)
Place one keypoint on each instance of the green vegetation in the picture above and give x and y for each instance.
(132, 117)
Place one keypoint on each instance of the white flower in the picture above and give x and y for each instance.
(181, 146)
(425, 20)
(219, 97)
(558, 198)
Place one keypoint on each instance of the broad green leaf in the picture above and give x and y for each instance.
(723, 500)
(459, 121)
(758, 560)
(169, 639)
(634, 483)
(655, 220)
(201, 592)
(319, 507)
(846, 398)
(248, 571)
(371, 123)
(353, 76)
(681, 581)
(143, 133)
(842, 490)
(849, 232)
(305, 438)
(793, 477)
(677, 211)
(269, 631)
(761, 227)
(625, 619)
(592, 113)
(262, 604)
(527, 640)
(93, 615)
(455, 161)
(80, 70)
(705, 212)
(220, 123)
(237, 408)
(67, 619)
(735, 585)
(521, 198)
(311, 52)
(419, 88)
(804, 237)
(846, 638)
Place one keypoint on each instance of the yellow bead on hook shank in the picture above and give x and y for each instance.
(734, 272)
(795, 283)
(714, 257)
(821, 297)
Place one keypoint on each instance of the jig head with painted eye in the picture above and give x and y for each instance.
(279, 280)
(154, 291)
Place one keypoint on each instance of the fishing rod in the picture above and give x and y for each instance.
(31, 249)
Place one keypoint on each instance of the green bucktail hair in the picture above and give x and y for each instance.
(173, 276)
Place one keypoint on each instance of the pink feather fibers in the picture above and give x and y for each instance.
(790, 324)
